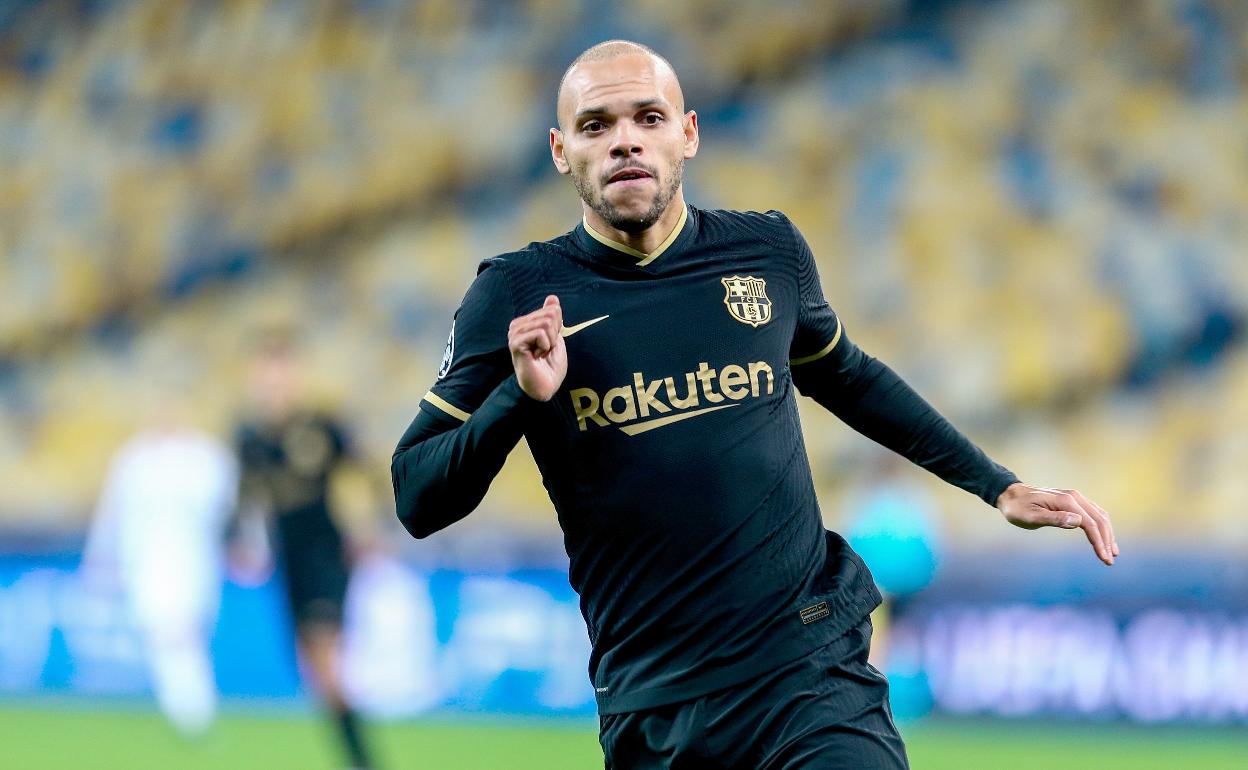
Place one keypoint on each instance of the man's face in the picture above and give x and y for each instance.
(624, 138)
(273, 381)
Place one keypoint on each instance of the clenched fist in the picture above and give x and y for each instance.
(537, 350)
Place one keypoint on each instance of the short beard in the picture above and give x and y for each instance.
(626, 223)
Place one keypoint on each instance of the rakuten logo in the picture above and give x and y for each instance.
(627, 405)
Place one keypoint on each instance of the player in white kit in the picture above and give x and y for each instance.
(158, 532)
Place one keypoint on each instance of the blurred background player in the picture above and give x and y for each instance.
(289, 455)
(157, 537)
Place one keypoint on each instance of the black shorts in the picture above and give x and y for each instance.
(314, 565)
(828, 709)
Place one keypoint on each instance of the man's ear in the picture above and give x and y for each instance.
(691, 134)
(556, 151)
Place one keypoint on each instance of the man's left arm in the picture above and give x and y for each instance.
(872, 399)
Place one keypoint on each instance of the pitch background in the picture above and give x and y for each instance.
(58, 737)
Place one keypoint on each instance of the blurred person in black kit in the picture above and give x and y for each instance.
(289, 456)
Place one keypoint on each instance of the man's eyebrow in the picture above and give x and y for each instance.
(591, 111)
(601, 110)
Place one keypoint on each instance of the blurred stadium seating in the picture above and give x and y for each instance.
(1034, 211)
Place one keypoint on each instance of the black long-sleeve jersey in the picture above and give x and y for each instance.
(672, 451)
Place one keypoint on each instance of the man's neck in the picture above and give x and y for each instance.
(647, 240)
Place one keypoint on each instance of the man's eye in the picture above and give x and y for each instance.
(652, 118)
(591, 126)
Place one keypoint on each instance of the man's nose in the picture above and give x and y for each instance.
(626, 141)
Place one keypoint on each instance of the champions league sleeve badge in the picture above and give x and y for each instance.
(448, 355)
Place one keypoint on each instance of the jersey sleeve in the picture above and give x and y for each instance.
(475, 359)
(869, 397)
(818, 329)
(445, 462)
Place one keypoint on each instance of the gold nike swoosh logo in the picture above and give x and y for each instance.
(568, 331)
(636, 428)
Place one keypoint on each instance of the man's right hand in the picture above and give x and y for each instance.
(537, 350)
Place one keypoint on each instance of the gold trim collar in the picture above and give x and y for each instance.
(642, 257)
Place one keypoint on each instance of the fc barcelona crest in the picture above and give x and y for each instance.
(746, 298)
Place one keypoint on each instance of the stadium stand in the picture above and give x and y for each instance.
(1044, 238)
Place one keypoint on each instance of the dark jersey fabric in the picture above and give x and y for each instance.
(672, 451)
(287, 468)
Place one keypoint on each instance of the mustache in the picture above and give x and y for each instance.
(652, 171)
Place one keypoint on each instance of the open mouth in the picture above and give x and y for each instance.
(632, 175)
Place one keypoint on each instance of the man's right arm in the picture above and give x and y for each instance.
(502, 366)
(443, 467)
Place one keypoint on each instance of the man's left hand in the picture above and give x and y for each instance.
(1033, 507)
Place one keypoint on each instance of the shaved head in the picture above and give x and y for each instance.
(606, 51)
(623, 138)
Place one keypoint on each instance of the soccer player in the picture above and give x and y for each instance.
(651, 358)
(288, 456)
(157, 536)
